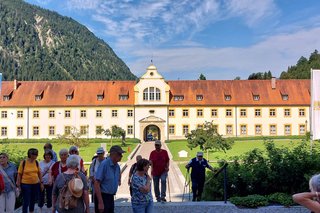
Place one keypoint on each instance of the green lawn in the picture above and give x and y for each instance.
(239, 148)
(85, 152)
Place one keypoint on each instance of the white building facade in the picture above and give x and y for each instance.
(153, 108)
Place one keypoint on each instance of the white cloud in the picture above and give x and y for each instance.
(275, 54)
(83, 4)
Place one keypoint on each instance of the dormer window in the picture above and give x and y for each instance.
(69, 97)
(285, 97)
(99, 97)
(199, 97)
(256, 97)
(178, 97)
(6, 97)
(38, 97)
(123, 97)
(227, 97)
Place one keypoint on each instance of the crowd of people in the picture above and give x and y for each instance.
(63, 186)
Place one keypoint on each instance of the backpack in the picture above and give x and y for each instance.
(1, 183)
(66, 199)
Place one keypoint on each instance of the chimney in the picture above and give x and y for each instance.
(273, 82)
(15, 84)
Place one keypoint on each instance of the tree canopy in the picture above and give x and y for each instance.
(207, 138)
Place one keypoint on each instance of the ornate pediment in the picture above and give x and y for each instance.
(152, 119)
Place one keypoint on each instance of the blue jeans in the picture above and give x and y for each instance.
(47, 192)
(142, 207)
(163, 179)
(29, 195)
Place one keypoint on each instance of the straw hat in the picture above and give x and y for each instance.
(76, 187)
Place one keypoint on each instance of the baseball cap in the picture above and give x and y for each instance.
(100, 150)
(116, 149)
(157, 142)
(199, 154)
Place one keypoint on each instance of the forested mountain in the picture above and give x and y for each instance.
(302, 69)
(38, 44)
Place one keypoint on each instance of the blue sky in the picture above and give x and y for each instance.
(222, 39)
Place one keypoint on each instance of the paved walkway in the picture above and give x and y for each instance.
(175, 178)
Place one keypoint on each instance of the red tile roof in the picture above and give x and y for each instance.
(213, 91)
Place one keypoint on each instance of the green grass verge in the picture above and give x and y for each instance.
(85, 152)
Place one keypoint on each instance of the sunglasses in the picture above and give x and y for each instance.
(2, 157)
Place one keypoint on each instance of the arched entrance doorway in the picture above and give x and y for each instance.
(152, 133)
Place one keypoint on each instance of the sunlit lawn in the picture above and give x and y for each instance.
(85, 152)
(239, 148)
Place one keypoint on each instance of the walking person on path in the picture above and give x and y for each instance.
(107, 180)
(198, 174)
(133, 169)
(159, 159)
(8, 196)
(141, 198)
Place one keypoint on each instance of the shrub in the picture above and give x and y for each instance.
(281, 198)
(250, 201)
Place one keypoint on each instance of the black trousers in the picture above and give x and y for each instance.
(197, 189)
(108, 202)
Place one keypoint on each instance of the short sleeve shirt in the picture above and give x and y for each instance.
(159, 161)
(11, 171)
(45, 170)
(29, 172)
(137, 196)
(108, 174)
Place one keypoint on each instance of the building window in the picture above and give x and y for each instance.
(20, 131)
(185, 129)
(256, 97)
(199, 126)
(19, 114)
(272, 112)
(214, 113)
(257, 112)
(302, 129)
(67, 113)
(185, 113)
(130, 113)
(171, 112)
(69, 97)
(4, 131)
(199, 97)
(52, 130)
(273, 129)
(151, 93)
(4, 114)
(287, 129)
(243, 129)
(99, 130)
(228, 112)
(6, 98)
(258, 129)
(83, 113)
(287, 112)
(51, 114)
(243, 112)
(199, 112)
(35, 131)
(83, 130)
(114, 113)
(229, 130)
(36, 114)
(98, 113)
(130, 130)
(227, 97)
(285, 97)
(171, 130)
(123, 97)
(100, 97)
(178, 97)
(215, 128)
(302, 112)
(38, 97)
(67, 130)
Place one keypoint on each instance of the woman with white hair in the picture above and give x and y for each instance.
(63, 179)
(310, 200)
(60, 166)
